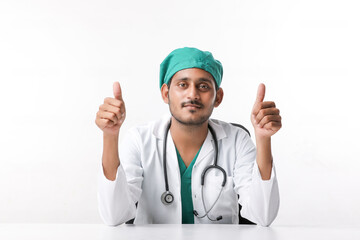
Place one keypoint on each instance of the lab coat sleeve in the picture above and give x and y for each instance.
(116, 199)
(259, 198)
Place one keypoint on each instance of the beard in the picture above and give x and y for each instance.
(201, 119)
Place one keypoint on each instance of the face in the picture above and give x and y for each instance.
(192, 96)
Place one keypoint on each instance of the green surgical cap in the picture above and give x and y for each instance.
(186, 57)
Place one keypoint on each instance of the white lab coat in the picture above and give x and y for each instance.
(140, 178)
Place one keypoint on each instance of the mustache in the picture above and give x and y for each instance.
(192, 102)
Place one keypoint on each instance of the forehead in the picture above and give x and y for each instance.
(193, 74)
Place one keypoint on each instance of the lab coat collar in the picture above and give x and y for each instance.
(207, 147)
(160, 128)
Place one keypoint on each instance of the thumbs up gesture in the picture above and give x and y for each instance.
(111, 114)
(265, 117)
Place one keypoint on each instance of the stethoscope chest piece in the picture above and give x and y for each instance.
(167, 198)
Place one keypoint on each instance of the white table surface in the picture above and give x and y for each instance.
(173, 232)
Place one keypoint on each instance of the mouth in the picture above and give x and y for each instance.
(192, 106)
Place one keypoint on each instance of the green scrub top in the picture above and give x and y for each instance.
(186, 196)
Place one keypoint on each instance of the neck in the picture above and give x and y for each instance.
(188, 136)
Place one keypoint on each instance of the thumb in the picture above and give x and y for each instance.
(117, 90)
(260, 93)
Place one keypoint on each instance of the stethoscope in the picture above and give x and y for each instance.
(167, 197)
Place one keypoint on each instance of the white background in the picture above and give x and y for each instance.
(59, 59)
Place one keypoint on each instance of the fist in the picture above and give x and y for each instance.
(111, 114)
(265, 117)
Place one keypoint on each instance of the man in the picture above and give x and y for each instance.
(163, 173)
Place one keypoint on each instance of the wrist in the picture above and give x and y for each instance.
(263, 151)
(111, 137)
(262, 140)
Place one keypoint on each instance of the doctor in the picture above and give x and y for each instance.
(186, 167)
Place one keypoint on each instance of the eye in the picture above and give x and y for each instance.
(204, 86)
(182, 84)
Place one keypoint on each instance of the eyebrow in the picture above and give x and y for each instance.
(201, 79)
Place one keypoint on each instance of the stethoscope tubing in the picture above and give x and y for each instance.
(167, 197)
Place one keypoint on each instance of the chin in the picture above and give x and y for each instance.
(191, 121)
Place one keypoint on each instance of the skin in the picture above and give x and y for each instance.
(266, 120)
(109, 119)
(191, 99)
(192, 96)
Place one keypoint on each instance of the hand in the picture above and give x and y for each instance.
(111, 114)
(265, 117)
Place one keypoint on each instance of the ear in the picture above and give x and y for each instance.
(219, 97)
(165, 93)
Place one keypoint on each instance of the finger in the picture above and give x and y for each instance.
(103, 123)
(119, 111)
(266, 111)
(117, 91)
(113, 101)
(260, 93)
(269, 118)
(108, 115)
(261, 105)
(274, 126)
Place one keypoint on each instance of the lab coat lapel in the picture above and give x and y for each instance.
(172, 165)
(207, 148)
(172, 162)
(209, 143)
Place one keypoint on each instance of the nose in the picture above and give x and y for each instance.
(193, 92)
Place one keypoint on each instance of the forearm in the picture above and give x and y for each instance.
(264, 157)
(110, 157)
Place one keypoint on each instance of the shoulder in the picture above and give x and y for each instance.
(229, 128)
(233, 137)
(153, 128)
